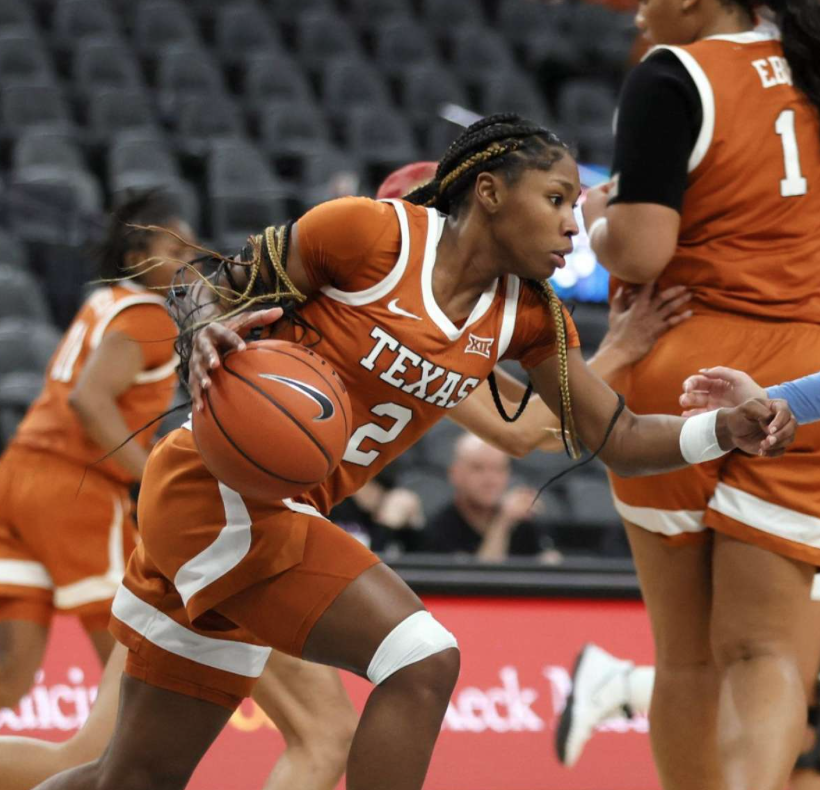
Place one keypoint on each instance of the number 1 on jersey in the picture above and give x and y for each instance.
(793, 184)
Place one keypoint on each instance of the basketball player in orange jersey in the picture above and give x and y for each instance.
(66, 528)
(717, 186)
(306, 701)
(219, 579)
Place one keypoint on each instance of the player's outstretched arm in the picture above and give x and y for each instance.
(716, 388)
(636, 321)
(650, 444)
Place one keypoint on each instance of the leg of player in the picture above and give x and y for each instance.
(369, 629)
(762, 608)
(22, 644)
(103, 643)
(25, 762)
(312, 710)
(676, 584)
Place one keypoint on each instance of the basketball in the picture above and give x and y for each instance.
(276, 420)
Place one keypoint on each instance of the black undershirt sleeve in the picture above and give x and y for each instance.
(659, 119)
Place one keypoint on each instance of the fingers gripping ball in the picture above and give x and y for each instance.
(276, 420)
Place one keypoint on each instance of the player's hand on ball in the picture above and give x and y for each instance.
(215, 340)
(758, 427)
(715, 388)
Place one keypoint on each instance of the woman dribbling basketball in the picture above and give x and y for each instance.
(412, 305)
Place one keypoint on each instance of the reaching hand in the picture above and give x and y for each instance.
(215, 340)
(638, 318)
(758, 427)
(715, 388)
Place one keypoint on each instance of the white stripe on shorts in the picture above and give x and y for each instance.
(159, 629)
(664, 522)
(26, 573)
(766, 516)
(226, 552)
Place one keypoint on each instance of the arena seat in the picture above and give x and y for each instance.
(18, 390)
(513, 91)
(199, 120)
(380, 137)
(112, 111)
(323, 37)
(15, 15)
(104, 63)
(371, 13)
(274, 77)
(184, 71)
(287, 128)
(12, 251)
(478, 52)
(402, 45)
(587, 110)
(77, 20)
(24, 106)
(21, 295)
(26, 345)
(590, 500)
(244, 30)
(543, 32)
(425, 88)
(159, 24)
(285, 10)
(37, 148)
(23, 59)
(320, 168)
(79, 186)
(244, 195)
(140, 150)
(450, 16)
(352, 83)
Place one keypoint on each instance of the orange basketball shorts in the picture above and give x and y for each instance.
(64, 539)
(774, 503)
(218, 580)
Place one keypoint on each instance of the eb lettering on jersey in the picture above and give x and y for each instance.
(749, 238)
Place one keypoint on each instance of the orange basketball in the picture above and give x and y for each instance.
(276, 420)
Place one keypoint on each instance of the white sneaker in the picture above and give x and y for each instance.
(599, 692)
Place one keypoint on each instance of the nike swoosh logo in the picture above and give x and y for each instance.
(393, 307)
(319, 397)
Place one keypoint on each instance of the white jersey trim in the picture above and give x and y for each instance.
(25, 573)
(435, 227)
(226, 552)
(228, 655)
(750, 37)
(380, 289)
(707, 103)
(99, 588)
(510, 313)
(766, 516)
(663, 522)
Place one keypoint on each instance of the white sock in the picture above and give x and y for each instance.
(639, 683)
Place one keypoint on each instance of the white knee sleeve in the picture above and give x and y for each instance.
(414, 639)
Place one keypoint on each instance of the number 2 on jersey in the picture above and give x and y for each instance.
(793, 184)
(401, 414)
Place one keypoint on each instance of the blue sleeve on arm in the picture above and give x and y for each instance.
(802, 395)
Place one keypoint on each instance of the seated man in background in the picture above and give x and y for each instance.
(486, 518)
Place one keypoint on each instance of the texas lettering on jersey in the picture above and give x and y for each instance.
(433, 383)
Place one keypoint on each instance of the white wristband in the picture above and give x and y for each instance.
(595, 227)
(698, 440)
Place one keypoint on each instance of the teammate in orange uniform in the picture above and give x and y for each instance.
(66, 529)
(199, 618)
(717, 186)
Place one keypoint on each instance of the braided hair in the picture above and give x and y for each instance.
(506, 144)
(130, 229)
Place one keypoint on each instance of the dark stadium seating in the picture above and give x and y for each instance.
(402, 45)
(77, 20)
(104, 63)
(349, 84)
(18, 390)
(21, 296)
(15, 14)
(24, 59)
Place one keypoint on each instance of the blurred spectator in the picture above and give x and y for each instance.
(384, 518)
(486, 518)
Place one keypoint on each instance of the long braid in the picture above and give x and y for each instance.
(506, 143)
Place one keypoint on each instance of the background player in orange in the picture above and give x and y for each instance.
(199, 621)
(66, 528)
(717, 186)
(306, 701)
